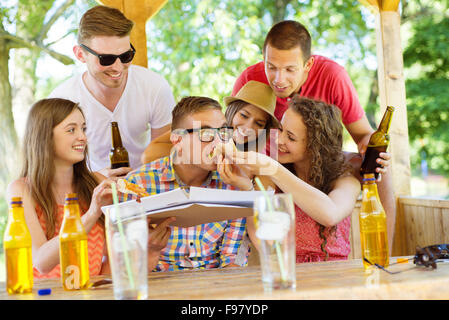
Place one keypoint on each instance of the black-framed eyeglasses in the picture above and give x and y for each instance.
(208, 134)
(108, 59)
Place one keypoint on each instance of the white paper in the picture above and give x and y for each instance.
(178, 200)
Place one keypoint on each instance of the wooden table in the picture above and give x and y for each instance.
(322, 281)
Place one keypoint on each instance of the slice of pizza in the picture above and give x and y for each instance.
(128, 187)
(228, 149)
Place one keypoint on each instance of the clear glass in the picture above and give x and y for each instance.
(127, 248)
(274, 218)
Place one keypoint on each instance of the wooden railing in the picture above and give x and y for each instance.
(419, 222)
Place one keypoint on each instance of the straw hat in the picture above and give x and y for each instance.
(258, 94)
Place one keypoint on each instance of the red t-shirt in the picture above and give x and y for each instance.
(327, 81)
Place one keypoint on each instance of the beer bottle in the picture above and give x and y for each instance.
(373, 225)
(378, 143)
(118, 154)
(73, 247)
(17, 248)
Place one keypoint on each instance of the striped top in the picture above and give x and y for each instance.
(205, 246)
(95, 244)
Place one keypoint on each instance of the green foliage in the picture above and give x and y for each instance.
(430, 45)
(428, 116)
(202, 46)
(427, 90)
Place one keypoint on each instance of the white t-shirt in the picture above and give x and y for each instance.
(146, 102)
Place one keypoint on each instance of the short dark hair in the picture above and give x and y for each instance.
(190, 105)
(289, 34)
(103, 21)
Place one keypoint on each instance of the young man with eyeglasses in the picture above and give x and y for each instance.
(111, 89)
(198, 126)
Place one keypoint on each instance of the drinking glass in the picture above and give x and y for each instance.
(274, 218)
(127, 240)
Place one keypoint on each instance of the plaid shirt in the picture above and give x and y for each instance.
(205, 246)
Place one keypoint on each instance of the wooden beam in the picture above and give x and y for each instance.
(389, 5)
(381, 5)
(139, 11)
(392, 93)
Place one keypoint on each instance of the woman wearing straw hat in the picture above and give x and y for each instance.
(251, 113)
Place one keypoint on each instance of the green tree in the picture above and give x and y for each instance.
(427, 83)
(31, 23)
(201, 46)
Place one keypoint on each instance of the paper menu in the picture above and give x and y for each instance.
(201, 205)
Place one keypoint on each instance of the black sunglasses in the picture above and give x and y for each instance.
(208, 134)
(108, 59)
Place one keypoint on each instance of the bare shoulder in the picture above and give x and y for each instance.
(20, 188)
(16, 188)
(347, 181)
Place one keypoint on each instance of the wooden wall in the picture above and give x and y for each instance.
(422, 222)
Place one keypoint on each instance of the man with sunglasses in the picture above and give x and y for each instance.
(198, 126)
(111, 89)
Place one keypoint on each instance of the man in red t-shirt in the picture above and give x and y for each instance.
(289, 68)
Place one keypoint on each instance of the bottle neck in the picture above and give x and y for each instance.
(116, 138)
(370, 189)
(384, 125)
(71, 209)
(16, 213)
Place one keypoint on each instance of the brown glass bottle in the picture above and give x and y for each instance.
(378, 143)
(118, 154)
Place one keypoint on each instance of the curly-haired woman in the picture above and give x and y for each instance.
(311, 166)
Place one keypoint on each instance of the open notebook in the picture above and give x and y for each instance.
(201, 205)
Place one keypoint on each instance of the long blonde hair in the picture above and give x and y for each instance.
(38, 159)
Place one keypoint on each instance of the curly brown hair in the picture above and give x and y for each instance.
(324, 147)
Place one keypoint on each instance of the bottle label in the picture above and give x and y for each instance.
(72, 279)
(119, 165)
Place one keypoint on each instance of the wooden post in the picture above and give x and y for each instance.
(392, 93)
(139, 11)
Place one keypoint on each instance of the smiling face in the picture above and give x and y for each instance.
(247, 122)
(292, 139)
(70, 139)
(114, 75)
(286, 70)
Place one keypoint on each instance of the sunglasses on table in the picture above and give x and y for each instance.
(108, 59)
(208, 134)
(426, 256)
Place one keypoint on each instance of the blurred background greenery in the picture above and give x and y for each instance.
(201, 46)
